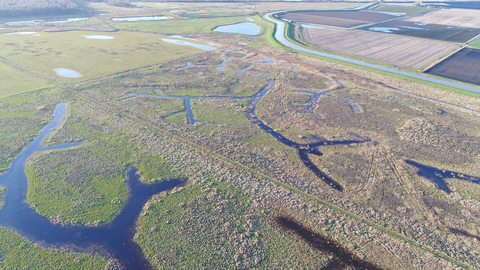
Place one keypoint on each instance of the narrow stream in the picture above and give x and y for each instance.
(303, 150)
(114, 239)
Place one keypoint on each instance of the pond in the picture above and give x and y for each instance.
(250, 29)
(182, 42)
(134, 19)
(67, 73)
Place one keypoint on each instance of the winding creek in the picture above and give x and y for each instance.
(279, 36)
(113, 240)
(303, 150)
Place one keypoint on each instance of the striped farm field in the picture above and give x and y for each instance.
(405, 52)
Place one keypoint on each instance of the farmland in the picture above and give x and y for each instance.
(399, 10)
(405, 52)
(428, 31)
(452, 16)
(463, 66)
(336, 18)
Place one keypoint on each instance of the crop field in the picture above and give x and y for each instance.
(258, 6)
(398, 10)
(429, 31)
(336, 18)
(463, 66)
(475, 43)
(452, 16)
(89, 57)
(405, 52)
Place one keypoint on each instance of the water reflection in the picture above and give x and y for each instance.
(114, 239)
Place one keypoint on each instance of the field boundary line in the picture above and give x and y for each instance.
(273, 180)
(435, 81)
(438, 61)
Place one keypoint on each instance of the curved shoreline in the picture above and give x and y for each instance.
(280, 37)
(114, 238)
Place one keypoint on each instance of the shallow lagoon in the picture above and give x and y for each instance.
(250, 29)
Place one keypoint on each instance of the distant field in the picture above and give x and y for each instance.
(204, 25)
(401, 10)
(406, 52)
(475, 44)
(263, 6)
(463, 66)
(14, 82)
(336, 18)
(90, 57)
(430, 31)
(454, 17)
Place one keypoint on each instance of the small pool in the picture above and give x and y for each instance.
(67, 73)
(98, 37)
(134, 19)
(250, 29)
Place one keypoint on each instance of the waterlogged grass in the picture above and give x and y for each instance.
(2, 190)
(214, 226)
(89, 57)
(21, 117)
(17, 252)
(78, 184)
(155, 168)
(186, 26)
(14, 82)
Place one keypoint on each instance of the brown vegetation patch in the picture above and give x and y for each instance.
(406, 52)
(342, 257)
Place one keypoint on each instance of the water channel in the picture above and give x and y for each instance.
(303, 150)
(279, 36)
(114, 239)
(438, 176)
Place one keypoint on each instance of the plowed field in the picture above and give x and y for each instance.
(423, 30)
(453, 17)
(337, 18)
(405, 52)
(463, 66)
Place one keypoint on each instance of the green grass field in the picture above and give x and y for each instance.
(90, 57)
(17, 252)
(475, 44)
(192, 26)
(15, 82)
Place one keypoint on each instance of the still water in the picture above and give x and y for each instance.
(114, 239)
